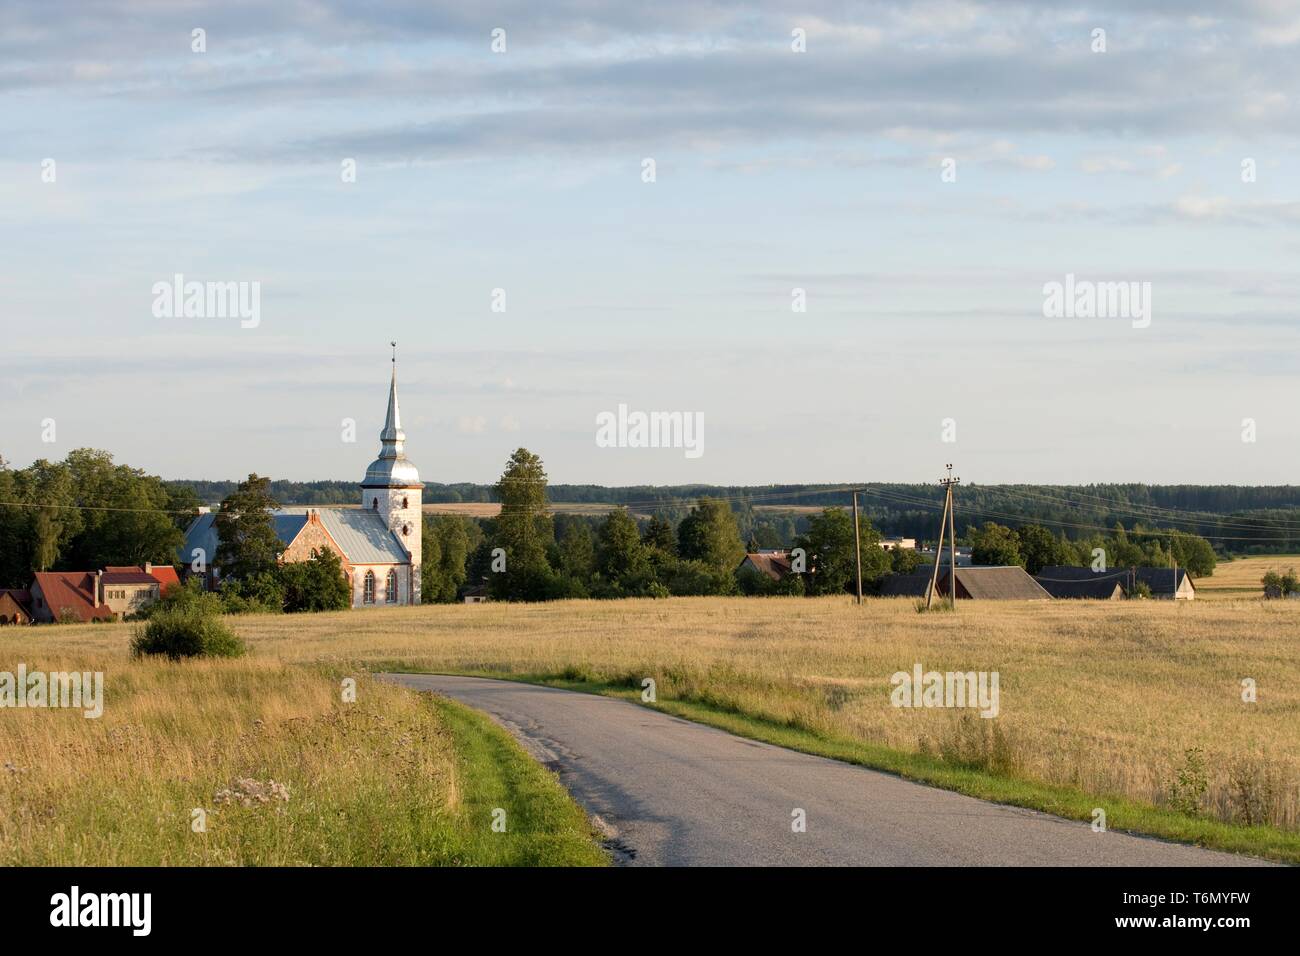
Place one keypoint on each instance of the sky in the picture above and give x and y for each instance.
(921, 171)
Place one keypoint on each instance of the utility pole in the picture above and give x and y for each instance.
(857, 544)
(952, 538)
(946, 523)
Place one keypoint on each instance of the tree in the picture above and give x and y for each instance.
(904, 560)
(247, 542)
(1193, 553)
(576, 551)
(125, 517)
(316, 585)
(523, 530)
(621, 558)
(659, 535)
(453, 547)
(995, 544)
(709, 534)
(1038, 547)
(832, 553)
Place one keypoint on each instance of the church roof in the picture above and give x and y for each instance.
(202, 533)
(363, 536)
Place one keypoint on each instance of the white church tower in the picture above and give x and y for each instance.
(392, 487)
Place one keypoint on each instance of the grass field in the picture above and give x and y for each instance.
(393, 778)
(1240, 578)
(1100, 701)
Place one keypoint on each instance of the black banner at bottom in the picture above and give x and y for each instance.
(333, 906)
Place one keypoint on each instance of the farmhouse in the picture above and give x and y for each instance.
(68, 596)
(994, 584)
(15, 606)
(1100, 589)
(770, 564)
(1165, 583)
(379, 543)
(905, 585)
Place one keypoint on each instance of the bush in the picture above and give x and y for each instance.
(186, 632)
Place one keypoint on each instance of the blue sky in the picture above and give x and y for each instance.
(774, 170)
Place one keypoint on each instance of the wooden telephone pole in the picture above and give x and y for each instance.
(946, 523)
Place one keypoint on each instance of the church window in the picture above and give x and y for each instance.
(368, 589)
(406, 502)
(374, 504)
(390, 587)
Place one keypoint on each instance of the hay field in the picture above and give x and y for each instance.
(1106, 697)
(1240, 578)
(283, 771)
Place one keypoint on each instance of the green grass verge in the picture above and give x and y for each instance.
(1122, 815)
(543, 825)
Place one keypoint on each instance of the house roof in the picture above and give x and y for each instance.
(20, 596)
(128, 575)
(71, 591)
(997, 584)
(1103, 589)
(166, 576)
(774, 564)
(1159, 580)
(904, 585)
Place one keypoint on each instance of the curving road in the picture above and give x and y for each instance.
(668, 792)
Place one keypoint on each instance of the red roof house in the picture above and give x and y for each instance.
(165, 576)
(63, 595)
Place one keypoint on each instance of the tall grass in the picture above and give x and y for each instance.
(1105, 697)
(394, 778)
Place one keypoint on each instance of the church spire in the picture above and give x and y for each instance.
(392, 437)
(392, 469)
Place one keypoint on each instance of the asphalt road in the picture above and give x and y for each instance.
(669, 792)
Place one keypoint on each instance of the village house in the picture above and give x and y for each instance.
(993, 583)
(84, 596)
(1164, 583)
(771, 563)
(1101, 589)
(378, 543)
(15, 606)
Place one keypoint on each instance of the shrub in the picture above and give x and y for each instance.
(1190, 783)
(186, 632)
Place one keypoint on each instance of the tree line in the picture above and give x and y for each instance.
(86, 512)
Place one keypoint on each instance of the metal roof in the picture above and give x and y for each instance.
(363, 535)
(202, 533)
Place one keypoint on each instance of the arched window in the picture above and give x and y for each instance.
(374, 504)
(390, 587)
(368, 589)
(406, 502)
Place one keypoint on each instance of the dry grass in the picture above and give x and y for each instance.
(1102, 696)
(391, 779)
(1241, 578)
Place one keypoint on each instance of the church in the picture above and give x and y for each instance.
(379, 543)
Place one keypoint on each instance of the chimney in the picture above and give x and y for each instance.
(148, 567)
(98, 587)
